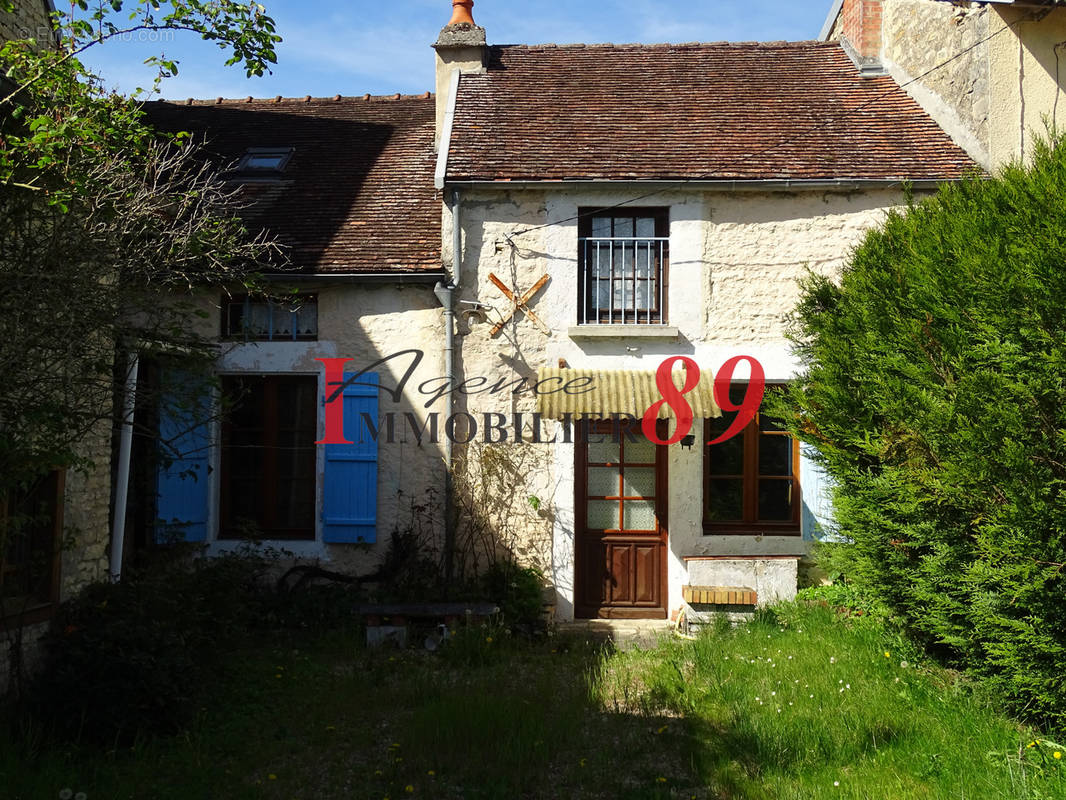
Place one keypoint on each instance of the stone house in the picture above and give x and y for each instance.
(503, 267)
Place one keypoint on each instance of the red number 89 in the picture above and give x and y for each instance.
(753, 396)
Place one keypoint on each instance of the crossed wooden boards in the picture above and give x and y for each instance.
(519, 303)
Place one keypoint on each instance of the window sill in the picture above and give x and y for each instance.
(623, 332)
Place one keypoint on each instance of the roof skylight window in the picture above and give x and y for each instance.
(265, 159)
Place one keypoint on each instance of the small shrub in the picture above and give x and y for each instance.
(517, 590)
(134, 657)
(935, 394)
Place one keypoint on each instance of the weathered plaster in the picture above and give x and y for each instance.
(1027, 72)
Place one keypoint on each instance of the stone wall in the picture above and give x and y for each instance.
(29, 20)
(87, 514)
(918, 35)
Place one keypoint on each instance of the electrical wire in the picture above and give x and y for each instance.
(674, 185)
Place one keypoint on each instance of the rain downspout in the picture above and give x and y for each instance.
(125, 446)
(446, 296)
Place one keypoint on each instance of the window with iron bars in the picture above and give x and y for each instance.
(270, 320)
(623, 258)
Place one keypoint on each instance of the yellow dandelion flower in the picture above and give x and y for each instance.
(409, 788)
(278, 675)
(1031, 744)
(581, 762)
(661, 779)
(888, 654)
(663, 728)
(488, 640)
(431, 773)
(272, 777)
(1057, 754)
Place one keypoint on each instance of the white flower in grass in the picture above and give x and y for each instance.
(841, 688)
(66, 794)
(812, 697)
(904, 664)
(841, 680)
(847, 685)
(790, 658)
(832, 659)
(772, 694)
(836, 783)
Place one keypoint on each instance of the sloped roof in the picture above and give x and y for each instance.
(357, 194)
(700, 111)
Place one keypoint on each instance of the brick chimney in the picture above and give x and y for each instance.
(460, 46)
(860, 28)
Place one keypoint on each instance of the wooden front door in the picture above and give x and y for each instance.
(620, 554)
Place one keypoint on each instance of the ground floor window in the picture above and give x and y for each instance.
(751, 481)
(30, 526)
(268, 457)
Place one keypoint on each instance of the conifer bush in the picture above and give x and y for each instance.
(935, 395)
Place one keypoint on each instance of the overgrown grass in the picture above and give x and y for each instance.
(787, 707)
(805, 704)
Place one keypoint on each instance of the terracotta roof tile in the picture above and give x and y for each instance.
(717, 111)
(357, 194)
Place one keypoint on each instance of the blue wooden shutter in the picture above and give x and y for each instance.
(350, 486)
(185, 444)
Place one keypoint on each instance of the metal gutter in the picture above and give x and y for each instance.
(729, 185)
(446, 135)
(446, 295)
(359, 277)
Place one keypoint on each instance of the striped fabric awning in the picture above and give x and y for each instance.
(608, 392)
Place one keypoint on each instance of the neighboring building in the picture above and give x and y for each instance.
(989, 73)
(65, 547)
(31, 19)
(346, 186)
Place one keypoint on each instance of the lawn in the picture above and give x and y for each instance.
(799, 704)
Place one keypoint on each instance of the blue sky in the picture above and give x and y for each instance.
(383, 46)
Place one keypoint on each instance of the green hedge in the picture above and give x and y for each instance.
(936, 396)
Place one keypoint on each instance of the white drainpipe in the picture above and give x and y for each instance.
(125, 446)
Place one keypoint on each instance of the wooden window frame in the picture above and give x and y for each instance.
(661, 214)
(750, 525)
(270, 475)
(228, 333)
(44, 608)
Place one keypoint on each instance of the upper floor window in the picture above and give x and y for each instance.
(270, 320)
(751, 481)
(623, 258)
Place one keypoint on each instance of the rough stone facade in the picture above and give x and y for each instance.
(29, 20)
(957, 95)
(86, 515)
(735, 261)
